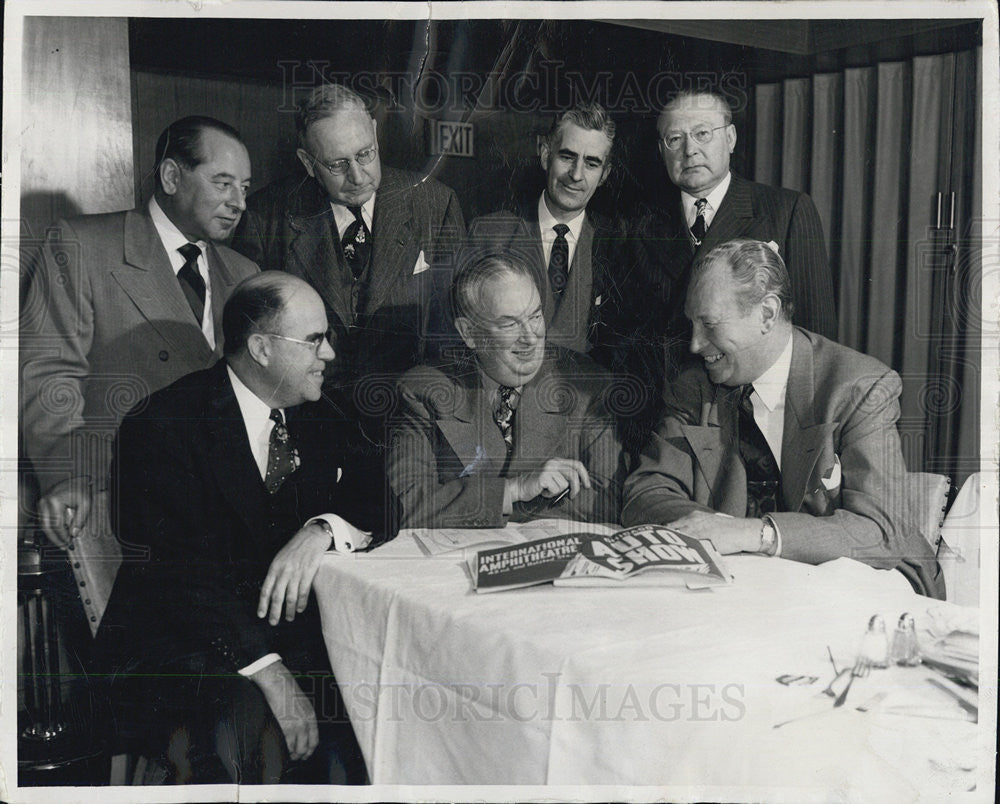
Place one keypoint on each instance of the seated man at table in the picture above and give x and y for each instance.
(780, 441)
(510, 429)
(212, 642)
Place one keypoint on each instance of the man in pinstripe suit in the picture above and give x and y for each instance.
(710, 204)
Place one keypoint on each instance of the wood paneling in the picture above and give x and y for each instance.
(77, 119)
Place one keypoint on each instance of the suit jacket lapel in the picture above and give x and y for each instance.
(150, 282)
(714, 444)
(315, 257)
(579, 293)
(731, 218)
(473, 434)
(223, 280)
(803, 436)
(540, 422)
(392, 233)
(230, 456)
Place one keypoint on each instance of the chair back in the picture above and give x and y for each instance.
(95, 558)
(963, 527)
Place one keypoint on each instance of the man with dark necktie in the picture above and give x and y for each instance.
(780, 442)
(511, 429)
(556, 234)
(122, 304)
(376, 243)
(213, 640)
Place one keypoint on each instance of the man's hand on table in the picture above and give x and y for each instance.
(728, 534)
(290, 707)
(290, 576)
(65, 510)
(557, 476)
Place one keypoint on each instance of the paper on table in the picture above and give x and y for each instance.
(445, 540)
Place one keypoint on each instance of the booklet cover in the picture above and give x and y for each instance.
(662, 556)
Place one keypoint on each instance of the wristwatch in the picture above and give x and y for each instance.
(326, 527)
(768, 536)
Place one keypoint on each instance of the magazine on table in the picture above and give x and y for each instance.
(644, 555)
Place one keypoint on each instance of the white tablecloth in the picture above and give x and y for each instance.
(663, 687)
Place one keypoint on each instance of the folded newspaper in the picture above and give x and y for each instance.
(644, 555)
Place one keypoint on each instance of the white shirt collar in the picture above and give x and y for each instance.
(714, 199)
(256, 419)
(546, 221)
(344, 217)
(171, 237)
(770, 386)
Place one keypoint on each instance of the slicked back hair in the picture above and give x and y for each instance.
(756, 268)
(588, 116)
(181, 141)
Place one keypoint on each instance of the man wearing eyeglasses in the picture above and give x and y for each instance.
(234, 496)
(375, 242)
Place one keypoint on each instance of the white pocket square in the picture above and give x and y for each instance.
(833, 481)
(420, 265)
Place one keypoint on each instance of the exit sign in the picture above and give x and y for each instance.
(450, 139)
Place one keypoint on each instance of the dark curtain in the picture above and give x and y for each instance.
(891, 156)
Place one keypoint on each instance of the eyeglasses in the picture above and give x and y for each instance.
(702, 136)
(340, 166)
(315, 342)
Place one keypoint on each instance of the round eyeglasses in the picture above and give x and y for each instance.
(339, 167)
(703, 136)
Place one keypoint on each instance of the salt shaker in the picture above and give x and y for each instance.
(875, 647)
(905, 650)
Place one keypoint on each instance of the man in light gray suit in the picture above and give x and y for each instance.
(780, 442)
(120, 305)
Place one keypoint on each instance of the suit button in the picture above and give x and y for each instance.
(164, 355)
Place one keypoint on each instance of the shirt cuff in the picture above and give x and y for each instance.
(344, 541)
(508, 502)
(260, 664)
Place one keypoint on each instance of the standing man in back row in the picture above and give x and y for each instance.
(121, 305)
(374, 242)
(707, 205)
(555, 234)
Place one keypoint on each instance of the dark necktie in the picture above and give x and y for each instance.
(503, 415)
(559, 261)
(763, 475)
(698, 227)
(357, 243)
(282, 457)
(190, 280)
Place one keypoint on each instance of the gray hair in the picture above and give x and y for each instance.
(718, 100)
(466, 288)
(756, 268)
(588, 116)
(325, 101)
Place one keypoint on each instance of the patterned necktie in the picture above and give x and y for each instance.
(698, 227)
(559, 261)
(282, 456)
(190, 280)
(357, 243)
(763, 475)
(503, 415)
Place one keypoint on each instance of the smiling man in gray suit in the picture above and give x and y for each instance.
(555, 234)
(780, 442)
(511, 429)
(122, 304)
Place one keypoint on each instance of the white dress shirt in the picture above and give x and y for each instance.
(172, 240)
(258, 425)
(545, 223)
(714, 199)
(344, 217)
(768, 400)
